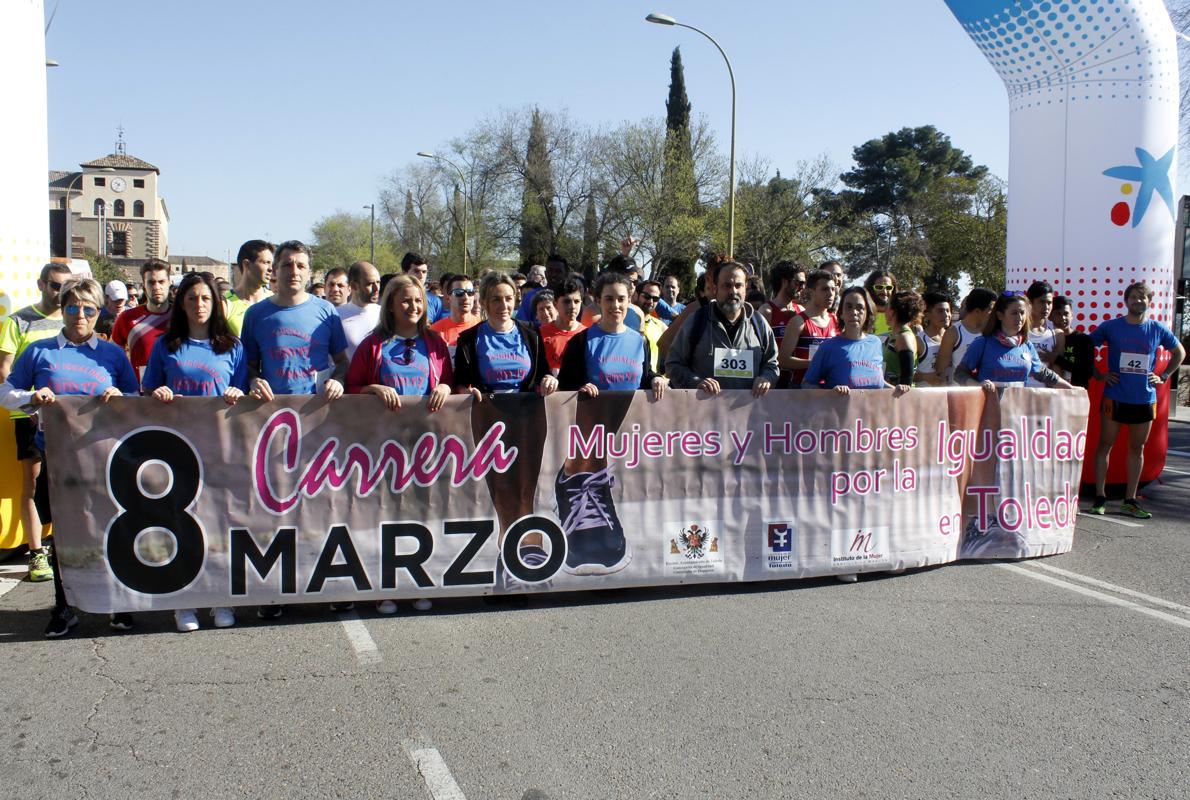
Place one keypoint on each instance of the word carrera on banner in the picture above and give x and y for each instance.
(199, 504)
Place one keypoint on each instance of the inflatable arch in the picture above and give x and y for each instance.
(1093, 105)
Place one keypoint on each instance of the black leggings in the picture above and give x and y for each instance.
(41, 499)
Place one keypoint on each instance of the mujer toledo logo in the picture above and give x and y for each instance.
(1153, 176)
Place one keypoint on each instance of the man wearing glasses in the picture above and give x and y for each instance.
(787, 281)
(648, 295)
(881, 285)
(361, 312)
(460, 296)
(41, 320)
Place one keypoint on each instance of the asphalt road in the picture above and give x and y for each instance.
(1064, 677)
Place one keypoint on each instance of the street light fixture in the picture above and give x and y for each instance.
(466, 195)
(69, 219)
(372, 207)
(666, 19)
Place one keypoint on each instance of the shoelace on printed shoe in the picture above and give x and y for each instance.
(587, 509)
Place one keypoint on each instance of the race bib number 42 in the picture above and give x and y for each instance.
(1134, 363)
(731, 363)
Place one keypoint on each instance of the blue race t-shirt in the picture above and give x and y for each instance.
(504, 360)
(992, 360)
(1132, 354)
(293, 343)
(615, 361)
(67, 368)
(525, 312)
(632, 318)
(405, 365)
(195, 370)
(839, 361)
(435, 308)
(667, 313)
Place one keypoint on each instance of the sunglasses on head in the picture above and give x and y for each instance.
(74, 309)
(461, 292)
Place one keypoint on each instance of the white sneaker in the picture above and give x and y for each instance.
(186, 620)
(422, 604)
(850, 577)
(386, 606)
(224, 617)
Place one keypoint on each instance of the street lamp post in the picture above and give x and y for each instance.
(372, 250)
(666, 19)
(466, 196)
(69, 220)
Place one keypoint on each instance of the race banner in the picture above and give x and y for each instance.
(197, 504)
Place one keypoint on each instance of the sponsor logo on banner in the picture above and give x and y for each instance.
(779, 549)
(859, 547)
(694, 550)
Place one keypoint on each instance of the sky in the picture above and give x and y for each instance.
(266, 116)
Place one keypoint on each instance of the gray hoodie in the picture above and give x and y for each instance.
(689, 362)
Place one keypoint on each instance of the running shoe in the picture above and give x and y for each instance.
(348, 606)
(386, 606)
(268, 612)
(61, 621)
(423, 604)
(120, 622)
(39, 566)
(1099, 507)
(595, 543)
(186, 620)
(849, 577)
(532, 556)
(223, 617)
(1133, 509)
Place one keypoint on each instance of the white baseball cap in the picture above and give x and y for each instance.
(116, 290)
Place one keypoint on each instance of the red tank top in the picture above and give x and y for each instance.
(813, 335)
(781, 318)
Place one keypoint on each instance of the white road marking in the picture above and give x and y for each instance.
(361, 641)
(1181, 453)
(433, 770)
(1112, 520)
(1175, 471)
(1111, 587)
(1106, 598)
(8, 584)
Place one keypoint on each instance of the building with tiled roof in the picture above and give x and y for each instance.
(112, 207)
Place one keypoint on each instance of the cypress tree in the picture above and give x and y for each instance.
(537, 198)
(679, 240)
(590, 255)
(411, 228)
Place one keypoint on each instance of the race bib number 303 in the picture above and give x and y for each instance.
(1134, 363)
(731, 363)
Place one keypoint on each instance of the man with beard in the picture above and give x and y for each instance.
(362, 310)
(137, 329)
(881, 285)
(726, 344)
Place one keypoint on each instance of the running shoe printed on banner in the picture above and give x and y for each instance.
(859, 547)
(780, 545)
(695, 549)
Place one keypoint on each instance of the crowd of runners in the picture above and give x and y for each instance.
(278, 330)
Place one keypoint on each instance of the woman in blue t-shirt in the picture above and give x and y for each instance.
(853, 359)
(75, 362)
(501, 362)
(1003, 356)
(197, 356)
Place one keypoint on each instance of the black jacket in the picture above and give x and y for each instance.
(467, 373)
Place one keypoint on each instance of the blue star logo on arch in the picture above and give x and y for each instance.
(1153, 176)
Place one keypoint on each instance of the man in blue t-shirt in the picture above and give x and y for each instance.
(294, 341)
(1129, 397)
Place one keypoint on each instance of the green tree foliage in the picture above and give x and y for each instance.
(909, 194)
(537, 198)
(102, 268)
(589, 260)
(342, 239)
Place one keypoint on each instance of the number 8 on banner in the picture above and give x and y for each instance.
(142, 510)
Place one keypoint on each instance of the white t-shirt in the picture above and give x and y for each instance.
(358, 322)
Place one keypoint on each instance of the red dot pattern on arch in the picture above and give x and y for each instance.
(1105, 285)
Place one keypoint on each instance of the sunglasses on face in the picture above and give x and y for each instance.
(462, 292)
(75, 309)
(54, 285)
(883, 287)
(653, 298)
